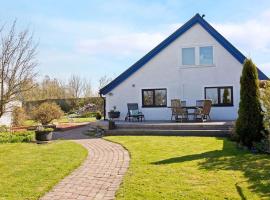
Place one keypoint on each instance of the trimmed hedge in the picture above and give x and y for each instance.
(14, 137)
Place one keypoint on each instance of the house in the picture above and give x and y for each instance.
(195, 62)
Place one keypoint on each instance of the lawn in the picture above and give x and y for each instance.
(27, 171)
(192, 168)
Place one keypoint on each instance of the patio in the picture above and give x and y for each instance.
(189, 128)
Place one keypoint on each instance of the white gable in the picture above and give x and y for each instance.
(166, 71)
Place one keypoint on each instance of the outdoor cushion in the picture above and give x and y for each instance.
(134, 112)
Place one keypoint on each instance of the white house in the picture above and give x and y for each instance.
(195, 62)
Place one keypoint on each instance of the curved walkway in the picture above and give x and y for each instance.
(99, 176)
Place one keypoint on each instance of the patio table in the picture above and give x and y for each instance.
(187, 108)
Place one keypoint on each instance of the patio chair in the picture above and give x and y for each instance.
(204, 112)
(134, 113)
(177, 110)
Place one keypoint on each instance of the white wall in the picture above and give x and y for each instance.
(6, 118)
(187, 83)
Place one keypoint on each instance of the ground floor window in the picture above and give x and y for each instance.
(154, 97)
(220, 96)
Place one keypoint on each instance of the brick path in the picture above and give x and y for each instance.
(99, 176)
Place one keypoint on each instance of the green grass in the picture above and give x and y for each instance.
(27, 171)
(76, 120)
(192, 168)
(63, 120)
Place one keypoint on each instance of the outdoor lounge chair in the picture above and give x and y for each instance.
(177, 110)
(134, 113)
(204, 112)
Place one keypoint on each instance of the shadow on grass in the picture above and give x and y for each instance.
(255, 167)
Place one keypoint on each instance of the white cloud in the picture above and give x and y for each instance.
(265, 67)
(251, 35)
(126, 44)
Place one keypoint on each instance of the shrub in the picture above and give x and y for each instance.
(249, 125)
(266, 104)
(88, 114)
(18, 116)
(42, 129)
(20, 136)
(47, 112)
(98, 115)
(4, 128)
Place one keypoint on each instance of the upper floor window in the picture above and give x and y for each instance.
(188, 56)
(206, 55)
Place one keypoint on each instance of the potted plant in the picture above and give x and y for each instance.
(43, 134)
(45, 114)
(98, 115)
(114, 113)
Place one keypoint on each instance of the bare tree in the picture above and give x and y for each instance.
(17, 64)
(75, 85)
(87, 88)
(103, 81)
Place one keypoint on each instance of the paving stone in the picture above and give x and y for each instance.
(99, 176)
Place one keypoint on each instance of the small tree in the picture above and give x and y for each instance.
(249, 125)
(226, 96)
(18, 116)
(47, 112)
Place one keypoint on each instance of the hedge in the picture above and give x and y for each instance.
(68, 105)
(19, 136)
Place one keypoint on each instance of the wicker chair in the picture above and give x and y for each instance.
(177, 110)
(204, 112)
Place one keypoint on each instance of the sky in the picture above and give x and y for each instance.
(95, 38)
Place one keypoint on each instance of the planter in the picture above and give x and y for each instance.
(43, 135)
(111, 125)
(113, 115)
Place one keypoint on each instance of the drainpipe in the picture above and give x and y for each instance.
(104, 105)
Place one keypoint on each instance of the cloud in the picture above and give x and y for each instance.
(251, 35)
(265, 67)
(126, 44)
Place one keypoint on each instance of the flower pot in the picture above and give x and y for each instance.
(113, 115)
(43, 135)
(111, 125)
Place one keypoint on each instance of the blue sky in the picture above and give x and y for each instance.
(96, 38)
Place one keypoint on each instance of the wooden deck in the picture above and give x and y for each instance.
(212, 128)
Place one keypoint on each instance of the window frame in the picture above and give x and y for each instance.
(154, 96)
(199, 55)
(219, 104)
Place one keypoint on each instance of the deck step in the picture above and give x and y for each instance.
(177, 127)
(156, 132)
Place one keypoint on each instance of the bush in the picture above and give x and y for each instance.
(20, 136)
(18, 116)
(43, 129)
(98, 115)
(4, 128)
(249, 125)
(266, 104)
(88, 114)
(47, 112)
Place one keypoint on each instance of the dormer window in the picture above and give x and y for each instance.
(206, 55)
(196, 56)
(188, 56)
